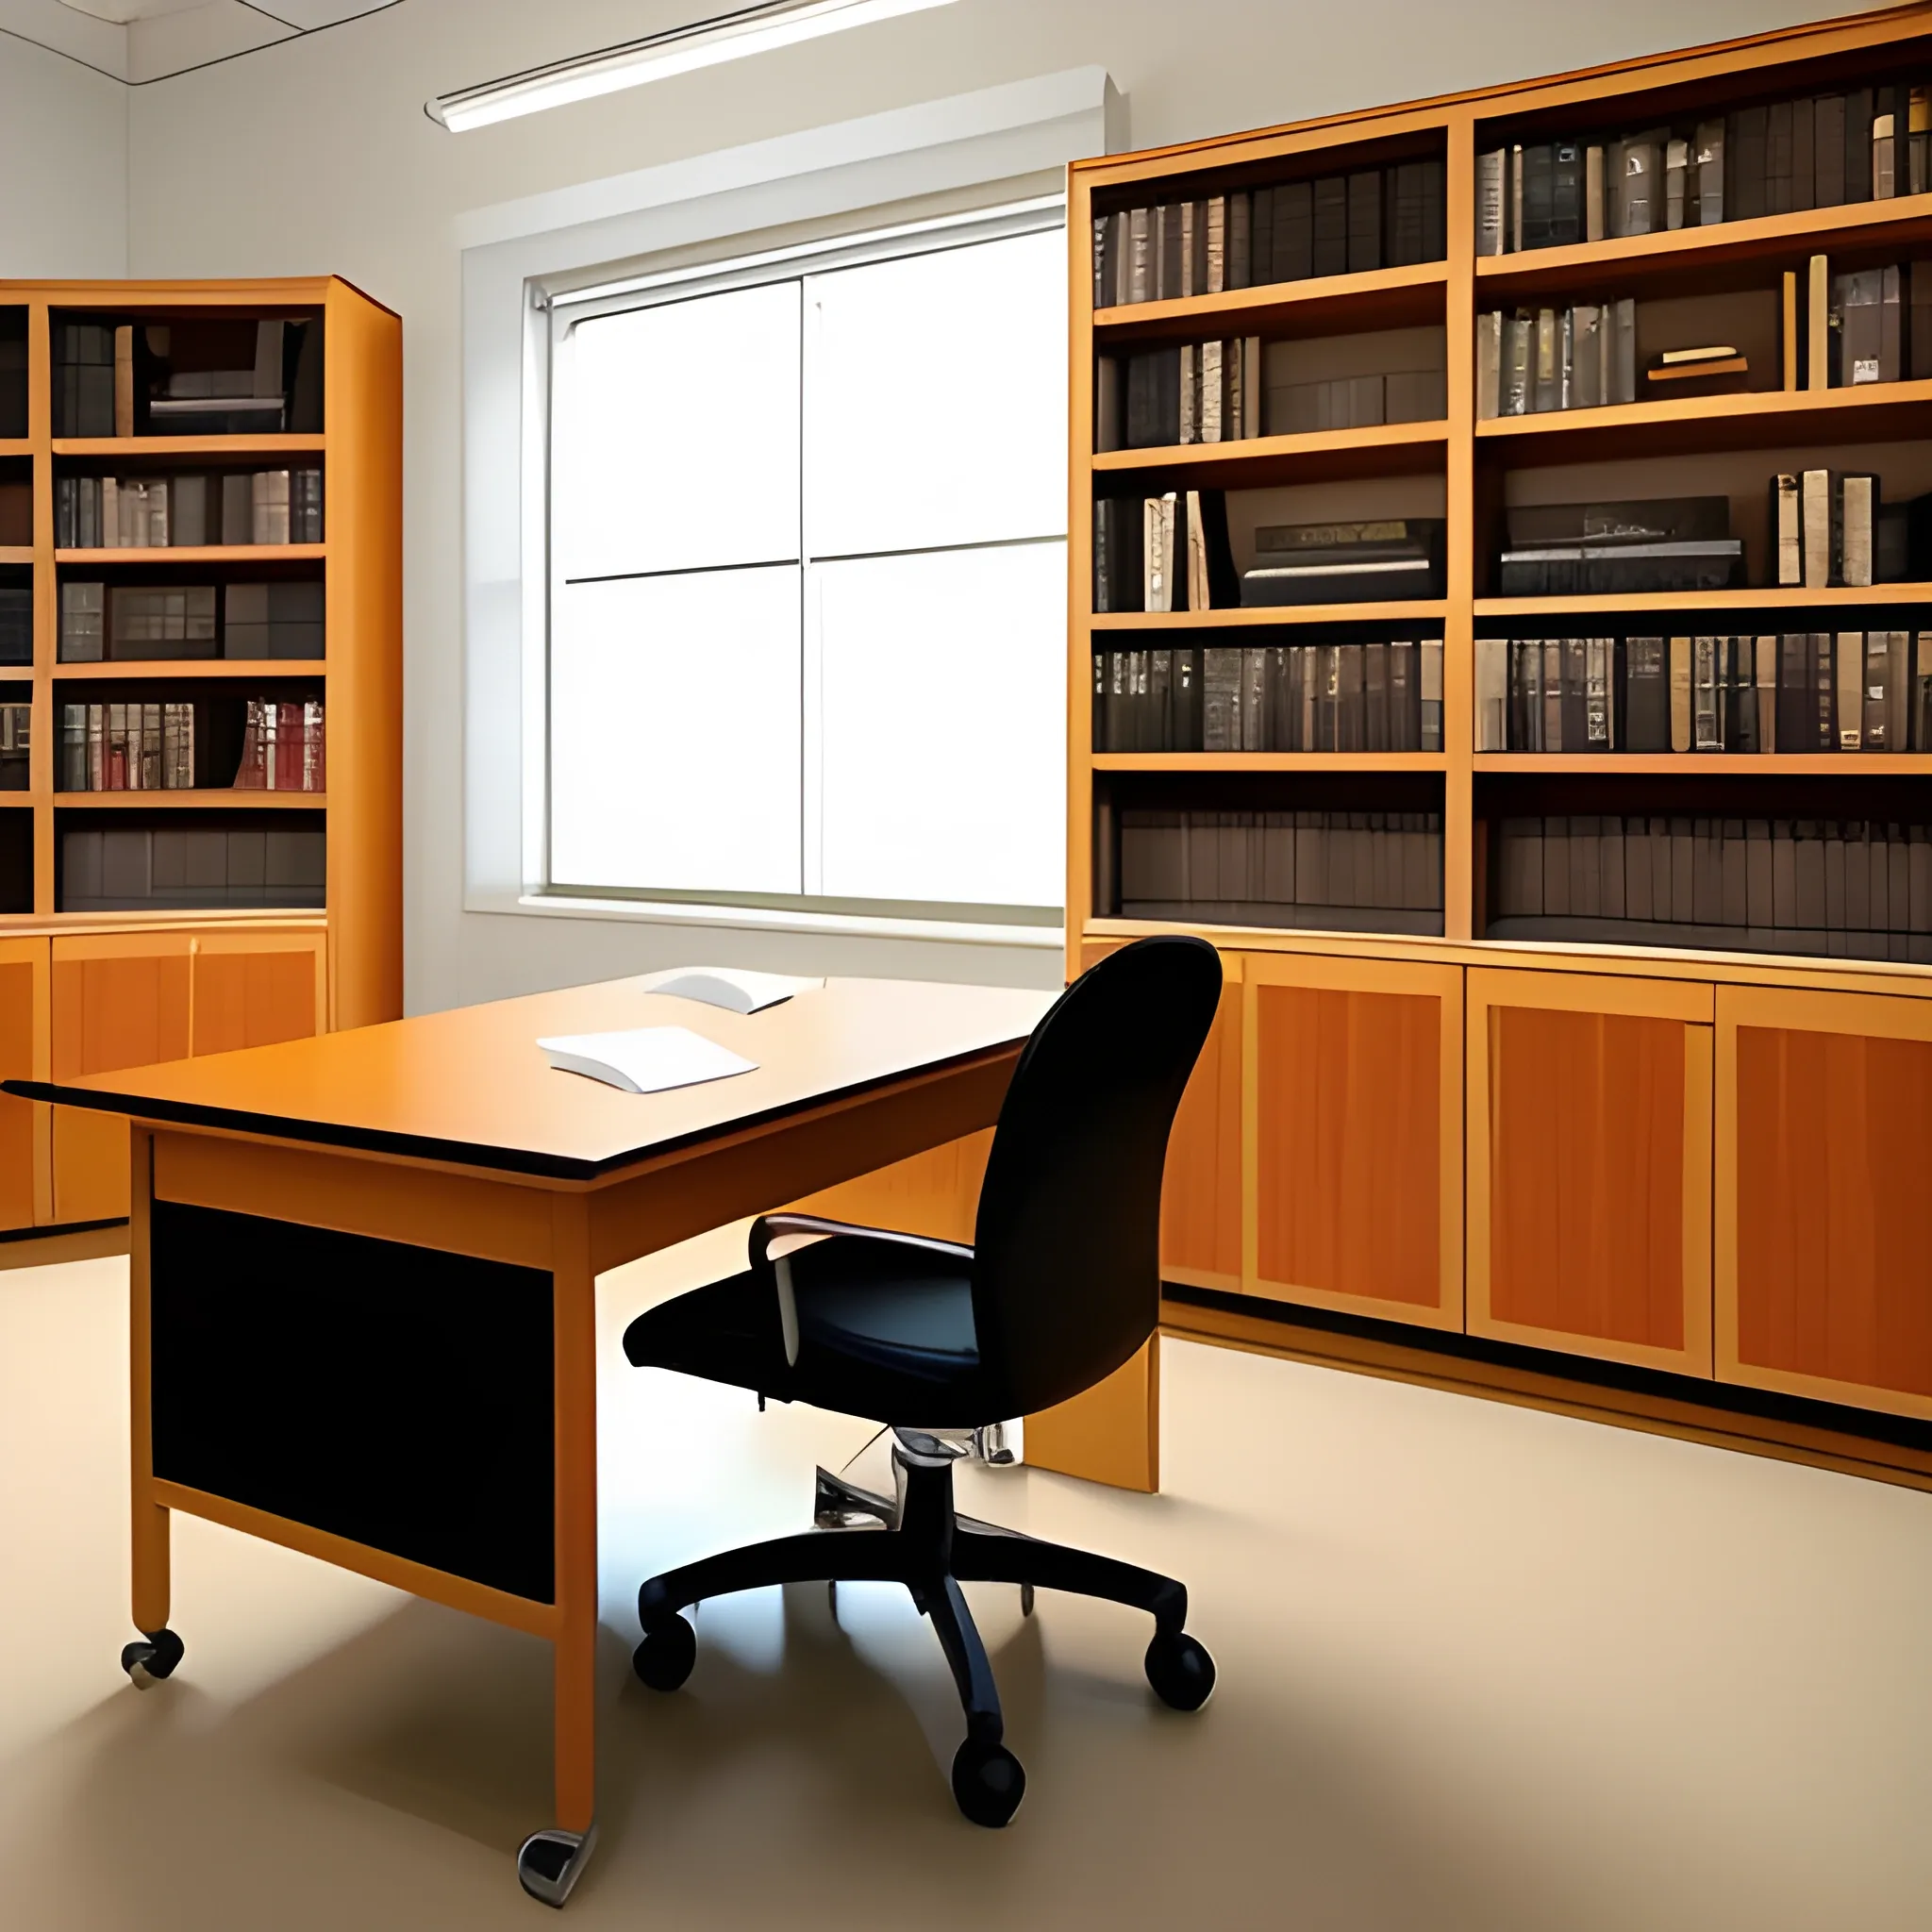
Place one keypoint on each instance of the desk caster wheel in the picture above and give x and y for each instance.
(988, 1782)
(553, 1861)
(664, 1658)
(152, 1660)
(1180, 1670)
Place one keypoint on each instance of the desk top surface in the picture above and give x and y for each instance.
(472, 1086)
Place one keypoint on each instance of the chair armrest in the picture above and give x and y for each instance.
(775, 1236)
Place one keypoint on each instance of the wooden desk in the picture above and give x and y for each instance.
(363, 1266)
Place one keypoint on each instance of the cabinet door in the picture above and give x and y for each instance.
(1590, 1123)
(1824, 1183)
(253, 989)
(119, 1000)
(26, 1181)
(1201, 1188)
(1353, 1141)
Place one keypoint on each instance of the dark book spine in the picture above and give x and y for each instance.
(1262, 238)
(1435, 213)
(1566, 194)
(1804, 156)
(1365, 221)
(1538, 186)
(1744, 164)
(1331, 225)
(1858, 112)
(1294, 231)
(1828, 149)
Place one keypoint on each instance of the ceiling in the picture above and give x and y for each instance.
(139, 41)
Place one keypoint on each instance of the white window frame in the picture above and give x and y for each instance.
(1000, 148)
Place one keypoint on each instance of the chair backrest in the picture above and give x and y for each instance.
(1066, 1275)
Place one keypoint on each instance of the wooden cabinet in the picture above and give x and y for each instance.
(1589, 1152)
(1824, 1183)
(26, 1184)
(1353, 1135)
(133, 999)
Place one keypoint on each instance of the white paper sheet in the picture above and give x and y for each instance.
(646, 1060)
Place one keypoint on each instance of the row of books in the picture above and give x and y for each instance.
(176, 512)
(1383, 695)
(1172, 552)
(1580, 357)
(186, 868)
(16, 747)
(1198, 393)
(1865, 145)
(1652, 544)
(1843, 889)
(283, 746)
(1834, 528)
(1878, 323)
(104, 622)
(1801, 692)
(127, 747)
(1347, 871)
(1339, 225)
(16, 623)
(204, 377)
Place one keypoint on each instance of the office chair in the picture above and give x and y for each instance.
(1060, 1287)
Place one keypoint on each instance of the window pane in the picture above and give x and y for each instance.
(936, 398)
(675, 439)
(944, 725)
(675, 706)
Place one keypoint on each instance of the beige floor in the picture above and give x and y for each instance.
(1480, 1668)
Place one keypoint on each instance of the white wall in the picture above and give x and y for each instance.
(317, 156)
(63, 160)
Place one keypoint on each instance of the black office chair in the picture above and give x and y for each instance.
(1060, 1287)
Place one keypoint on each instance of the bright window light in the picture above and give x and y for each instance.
(679, 50)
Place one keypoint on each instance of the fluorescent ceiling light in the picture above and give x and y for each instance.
(678, 50)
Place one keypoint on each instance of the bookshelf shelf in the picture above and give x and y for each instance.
(16, 552)
(212, 553)
(1326, 305)
(269, 445)
(1771, 597)
(225, 800)
(16, 801)
(189, 668)
(1872, 412)
(16, 446)
(1390, 449)
(1269, 761)
(1420, 611)
(1725, 764)
(1905, 222)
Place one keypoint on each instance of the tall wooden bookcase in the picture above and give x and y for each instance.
(1692, 1162)
(86, 992)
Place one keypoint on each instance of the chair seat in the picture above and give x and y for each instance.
(885, 1330)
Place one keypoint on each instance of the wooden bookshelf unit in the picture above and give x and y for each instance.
(93, 988)
(1455, 1141)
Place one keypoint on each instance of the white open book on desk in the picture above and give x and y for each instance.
(730, 987)
(646, 1060)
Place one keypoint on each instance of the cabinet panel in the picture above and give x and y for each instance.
(1824, 1155)
(119, 1000)
(1354, 1136)
(255, 989)
(25, 1194)
(1589, 1165)
(1201, 1188)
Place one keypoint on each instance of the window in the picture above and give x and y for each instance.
(807, 569)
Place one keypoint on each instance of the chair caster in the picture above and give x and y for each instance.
(988, 1782)
(152, 1660)
(553, 1861)
(664, 1658)
(1180, 1670)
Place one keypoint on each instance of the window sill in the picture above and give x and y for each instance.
(771, 919)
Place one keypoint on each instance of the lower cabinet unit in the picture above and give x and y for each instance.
(1589, 1156)
(25, 1186)
(1352, 1137)
(133, 999)
(1823, 1172)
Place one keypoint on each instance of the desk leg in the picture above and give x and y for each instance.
(551, 1861)
(156, 1655)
